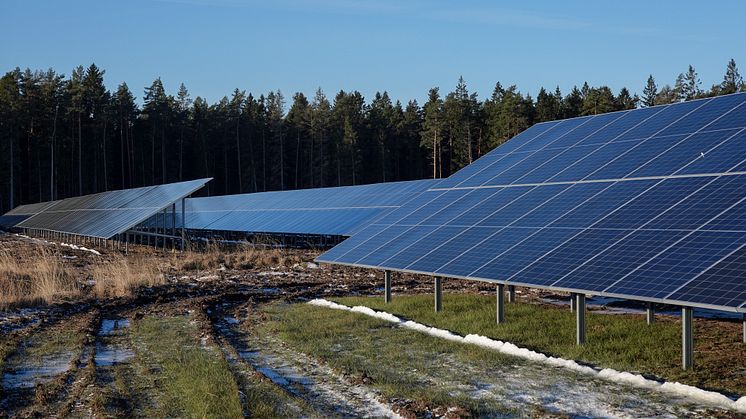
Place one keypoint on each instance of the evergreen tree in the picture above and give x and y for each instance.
(650, 93)
(432, 127)
(732, 81)
(625, 101)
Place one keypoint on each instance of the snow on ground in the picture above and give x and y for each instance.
(71, 246)
(689, 392)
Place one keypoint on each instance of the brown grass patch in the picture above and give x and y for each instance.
(37, 276)
(120, 276)
(246, 256)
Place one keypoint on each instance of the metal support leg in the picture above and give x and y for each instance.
(387, 286)
(580, 318)
(438, 294)
(573, 297)
(183, 221)
(500, 303)
(744, 327)
(650, 313)
(511, 293)
(687, 338)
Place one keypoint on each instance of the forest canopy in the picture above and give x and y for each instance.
(64, 136)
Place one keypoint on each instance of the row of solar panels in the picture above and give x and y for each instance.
(336, 211)
(646, 204)
(101, 215)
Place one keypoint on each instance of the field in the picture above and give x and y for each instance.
(228, 334)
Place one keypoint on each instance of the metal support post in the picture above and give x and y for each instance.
(511, 293)
(687, 338)
(580, 318)
(744, 327)
(573, 297)
(438, 294)
(183, 220)
(387, 286)
(500, 303)
(650, 313)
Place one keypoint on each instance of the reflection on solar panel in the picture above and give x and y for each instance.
(645, 204)
(20, 213)
(106, 214)
(322, 211)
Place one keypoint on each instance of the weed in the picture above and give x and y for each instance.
(120, 276)
(38, 276)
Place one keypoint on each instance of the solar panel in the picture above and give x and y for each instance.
(321, 211)
(106, 214)
(644, 204)
(22, 212)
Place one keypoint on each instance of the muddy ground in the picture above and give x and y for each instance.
(89, 372)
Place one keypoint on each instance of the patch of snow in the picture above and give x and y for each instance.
(311, 265)
(696, 394)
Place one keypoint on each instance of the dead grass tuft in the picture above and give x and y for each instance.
(121, 276)
(40, 276)
(247, 256)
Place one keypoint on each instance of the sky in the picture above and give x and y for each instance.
(404, 47)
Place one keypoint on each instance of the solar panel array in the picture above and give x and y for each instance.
(106, 214)
(22, 212)
(645, 204)
(322, 211)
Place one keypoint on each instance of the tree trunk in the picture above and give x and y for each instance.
(80, 155)
(238, 155)
(297, 158)
(106, 168)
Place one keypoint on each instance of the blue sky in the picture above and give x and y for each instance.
(405, 47)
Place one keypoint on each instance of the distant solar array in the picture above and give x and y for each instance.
(644, 204)
(335, 211)
(104, 215)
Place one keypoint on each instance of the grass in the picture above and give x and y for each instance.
(38, 276)
(120, 276)
(245, 256)
(622, 342)
(193, 381)
(400, 363)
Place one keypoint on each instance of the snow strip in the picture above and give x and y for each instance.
(693, 393)
(71, 246)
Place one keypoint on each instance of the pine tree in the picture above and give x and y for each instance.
(691, 85)
(625, 101)
(650, 93)
(732, 81)
(431, 135)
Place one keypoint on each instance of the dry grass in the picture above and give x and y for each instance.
(38, 277)
(245, 256)
(120, 276)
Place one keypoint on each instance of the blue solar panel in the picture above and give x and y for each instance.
(321, 211)
(647, 204)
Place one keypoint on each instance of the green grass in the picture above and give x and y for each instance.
(195, 383)
(400, 362)
(622, 342)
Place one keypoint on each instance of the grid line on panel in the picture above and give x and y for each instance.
(580, 182)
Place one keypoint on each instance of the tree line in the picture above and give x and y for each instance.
(67, 136)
